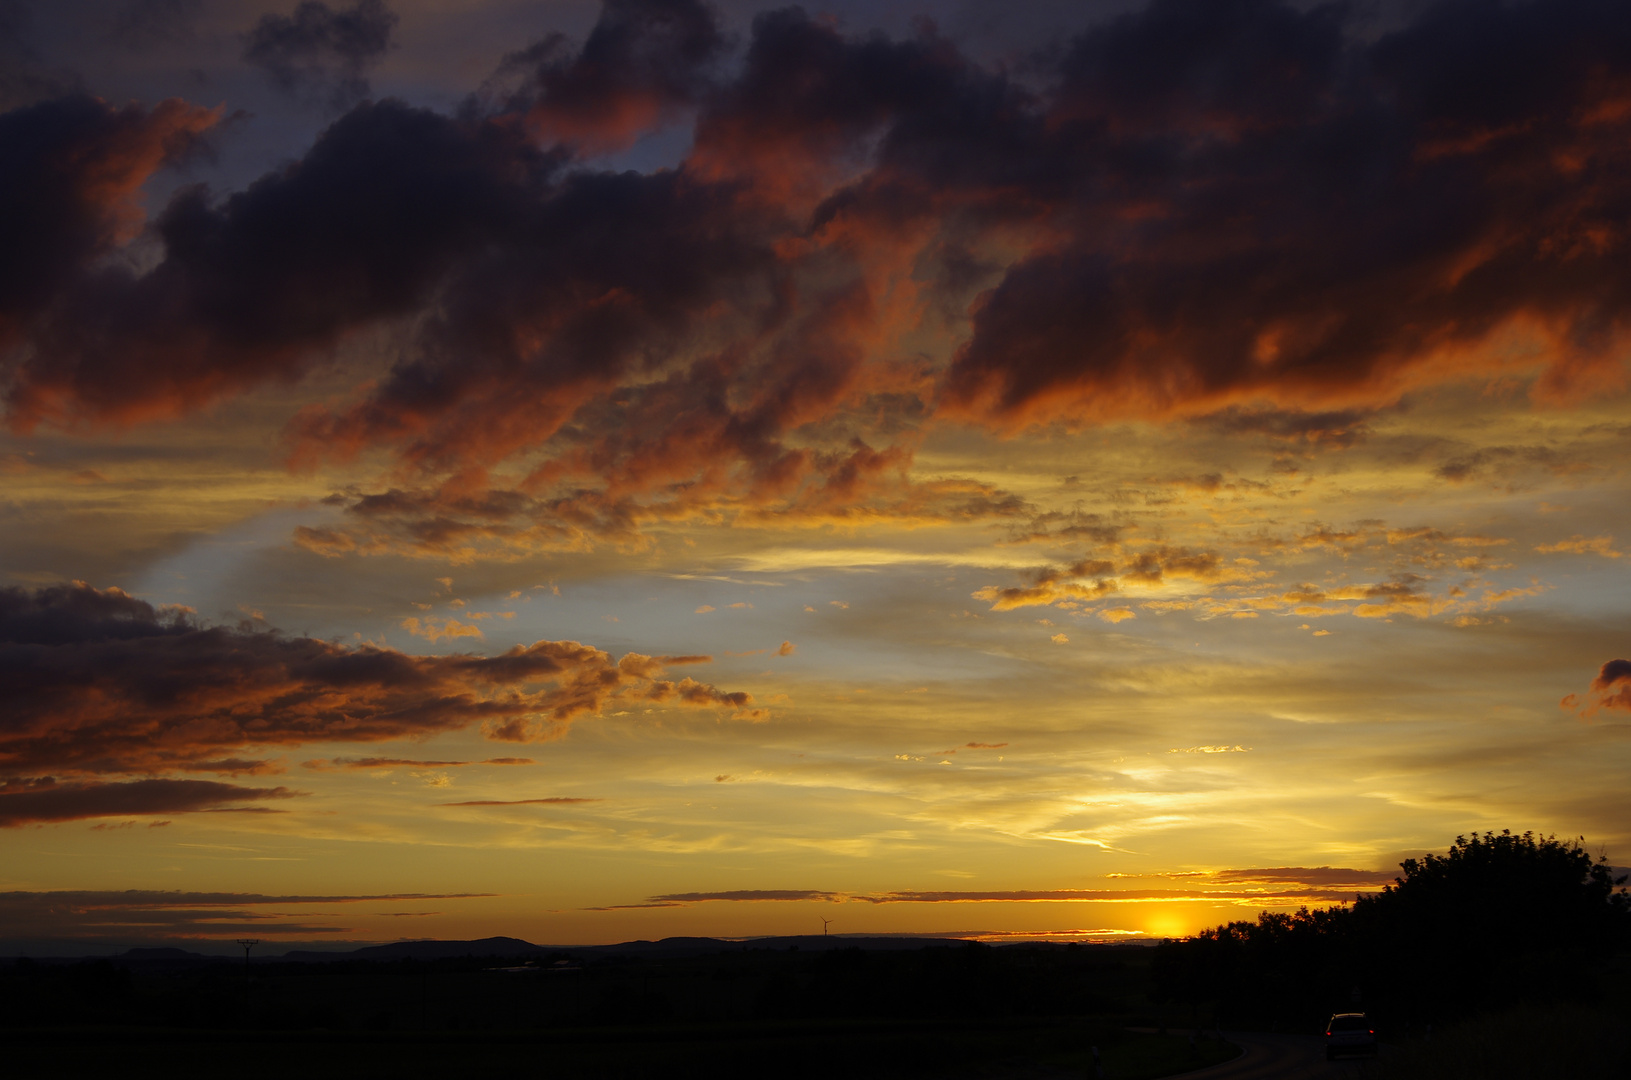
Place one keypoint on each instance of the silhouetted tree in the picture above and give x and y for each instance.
(1496, 920)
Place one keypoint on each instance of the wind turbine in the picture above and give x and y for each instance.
(825, 922)
(247, 943)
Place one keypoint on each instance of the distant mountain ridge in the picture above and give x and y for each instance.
(161, 953)
(515, 948)
(185, 953)
(509, 948)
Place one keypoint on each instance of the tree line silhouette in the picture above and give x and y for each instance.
(1498, 920)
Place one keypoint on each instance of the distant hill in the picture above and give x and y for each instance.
(508, 948)
(163, 954)
(501, 948)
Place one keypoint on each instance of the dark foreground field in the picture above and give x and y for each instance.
(1039, 1049)
(942, 1010)
(699, 1008)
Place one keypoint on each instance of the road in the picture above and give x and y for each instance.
(1284, 1057)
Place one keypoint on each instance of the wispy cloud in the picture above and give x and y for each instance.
(554, 800)
(143, 914)
(28, 802)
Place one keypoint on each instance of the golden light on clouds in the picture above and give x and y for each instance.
(844, 505)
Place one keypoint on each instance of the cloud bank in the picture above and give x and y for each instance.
(101, 684)
(318, 51)
(1239, 209)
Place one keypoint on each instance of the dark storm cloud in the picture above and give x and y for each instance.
(1235, 209)
(100, 683)
(144, 24)
(605, 280)
(809, 102)
(250, 289)
(1272, 211)
(25, 77)
(322, 51)
(69, 173)
(642, 60)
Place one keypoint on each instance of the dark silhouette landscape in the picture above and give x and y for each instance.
(1528, 935)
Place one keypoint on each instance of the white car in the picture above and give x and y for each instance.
(1349, 1033)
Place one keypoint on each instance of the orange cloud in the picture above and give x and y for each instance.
(1095, 578)
(444, 630)
(1580, 545)
(1611, 687)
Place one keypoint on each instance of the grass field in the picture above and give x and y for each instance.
(1573, 1042)
(1035, 1049)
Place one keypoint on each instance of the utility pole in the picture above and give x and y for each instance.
(247, 943)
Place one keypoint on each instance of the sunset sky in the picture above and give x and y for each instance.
(592, 472)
